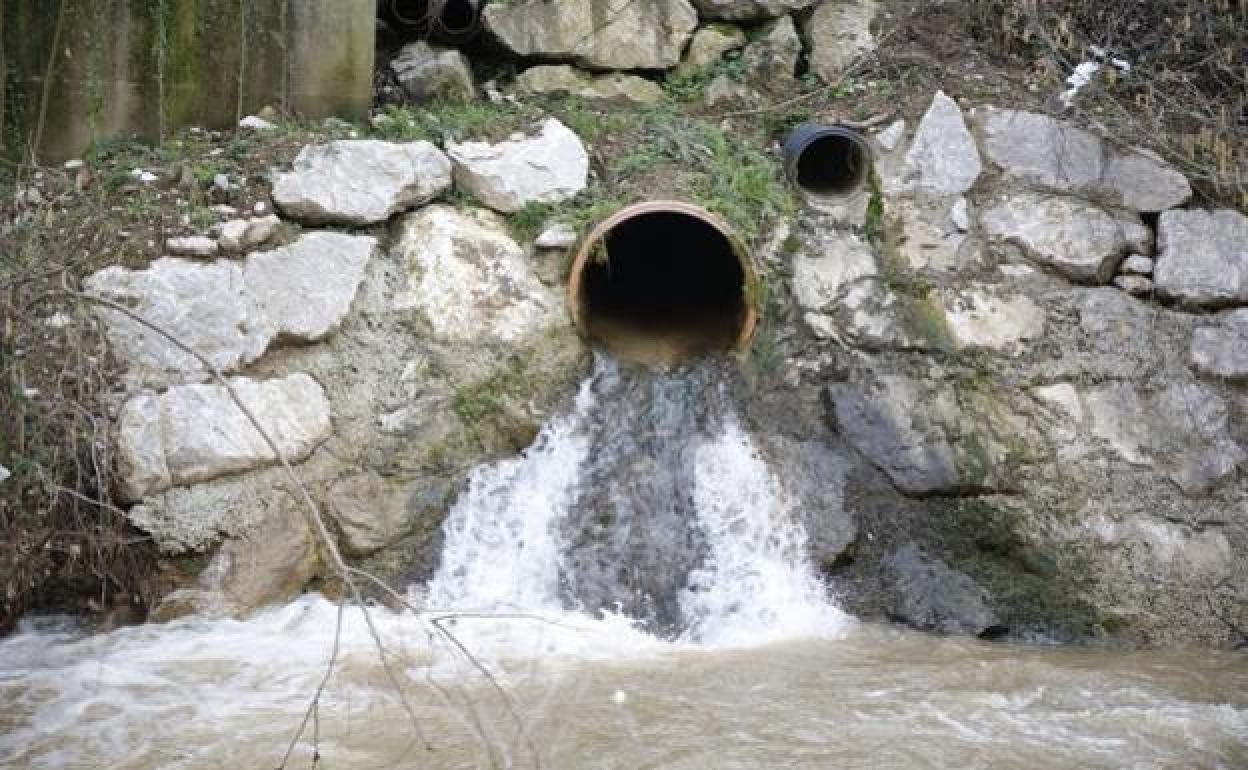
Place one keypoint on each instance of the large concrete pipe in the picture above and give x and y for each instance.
(826, 161)
(661, 281)
(449, 21)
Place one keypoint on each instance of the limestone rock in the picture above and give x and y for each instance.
(927, 241)
(1047, 153)
(772, 57)
(360, 181)
(979, 319)
(724, 92)
(891, 135)
(928, 438)
(565, 80)
(1135, 285)
(934, 597)
(709, 45)
(548, 168)
(239, 236)
(749, 10)
(1136, 264)
(432, 72)
(943, 158)
(269, 565)
(200, 246)
(838, 34)
(230, 312)
(1166, 546)
(827, 265)
(1202, 257)
(599, 34)
(557, 235)
(1221, 349)
(373, 512)
(1081, 241)
(193, 433)
(469, 280)
(1182, 430)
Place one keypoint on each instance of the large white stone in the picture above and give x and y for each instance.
(1221, 349)
(839, 34)
(599, 34)
(193, 433)
(1202, 257)
(1041, 151)
(230, 312)
(432, 72)
(548, 168)
(360, 181)
(469, 280)
(1079, 240)
(943, 158)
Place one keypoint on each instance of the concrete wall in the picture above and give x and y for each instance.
(152, 66)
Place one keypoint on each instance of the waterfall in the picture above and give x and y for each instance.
(648, 500)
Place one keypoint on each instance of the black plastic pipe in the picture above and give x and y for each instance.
(826, 161)
(447, 21)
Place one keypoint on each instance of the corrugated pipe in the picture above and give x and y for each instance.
(826, 161)
(661, 281)
(447, 21)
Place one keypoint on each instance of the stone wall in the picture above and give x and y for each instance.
(151, 66)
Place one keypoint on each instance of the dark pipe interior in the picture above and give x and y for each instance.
(453, 20)
(832, 165)
(664, 285)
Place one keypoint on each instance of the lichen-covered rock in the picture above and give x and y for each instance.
(565, 80)
(772, 58)
(229, 312)
(1079, 240)
(749, 10)
(469, 280)
(432, 72)
(550, 167)
(943, 158)
(709, 45)
(1202, 257)
(838, 34)
(1221, 349)
(373, 512)
(193, 433)
(1056, 156)
(599, 34)
(360, 181)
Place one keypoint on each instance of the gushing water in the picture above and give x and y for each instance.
(649, 500)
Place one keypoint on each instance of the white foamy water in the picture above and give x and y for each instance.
(501, 550)
(758, 585)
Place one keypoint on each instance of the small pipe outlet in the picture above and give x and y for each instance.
(661, 281)
(826, 161)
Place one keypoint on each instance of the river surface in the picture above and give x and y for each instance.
(633, 591)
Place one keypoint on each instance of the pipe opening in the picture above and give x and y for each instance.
(451, 21)
(660, 282)
(827, 162)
